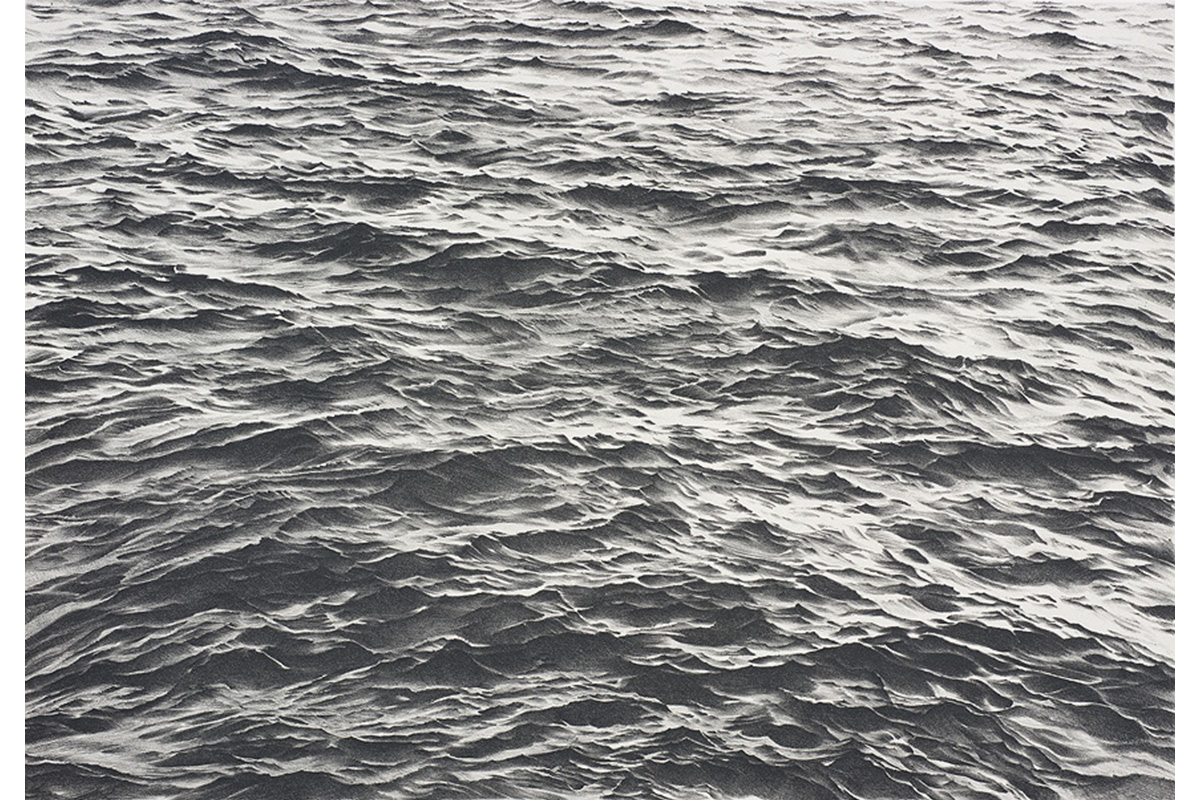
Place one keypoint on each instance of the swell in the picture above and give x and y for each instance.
(585, 399)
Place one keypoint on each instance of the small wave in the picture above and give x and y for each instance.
(580, 398)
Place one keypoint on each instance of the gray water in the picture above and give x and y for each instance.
(580, 399)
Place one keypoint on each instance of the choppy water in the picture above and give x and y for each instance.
(580, 399)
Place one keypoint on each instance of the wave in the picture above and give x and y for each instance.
(583, 398)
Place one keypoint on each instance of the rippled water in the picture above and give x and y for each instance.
(580, 399)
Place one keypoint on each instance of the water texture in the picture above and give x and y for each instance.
(583, 399)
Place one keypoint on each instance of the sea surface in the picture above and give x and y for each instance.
(595, 400)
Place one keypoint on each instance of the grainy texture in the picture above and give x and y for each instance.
(486, 399)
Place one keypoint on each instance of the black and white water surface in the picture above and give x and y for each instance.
(586, 399)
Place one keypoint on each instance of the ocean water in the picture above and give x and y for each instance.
(588, 399)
